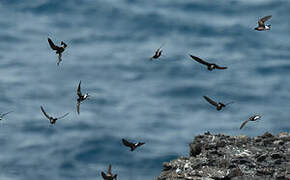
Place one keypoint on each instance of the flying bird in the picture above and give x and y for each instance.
(158, 53)
(133, 146)
(261, 25)
(81, 97)
(210, 66)
(51, 119)
(252, 118)
(59, 49)
(109, 175)
(218, 105)
(4, 114)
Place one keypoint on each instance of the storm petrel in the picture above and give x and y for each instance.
(109, 175)
(261, 25)
(252, 118)
(50, 118)
(218, 105)
(59, 49)
(133, 146)
(4, 114)
(81, 97)
(210, 66)
(158, 53)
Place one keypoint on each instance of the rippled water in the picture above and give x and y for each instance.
(159, 102)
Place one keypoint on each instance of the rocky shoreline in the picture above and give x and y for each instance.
(222, 157)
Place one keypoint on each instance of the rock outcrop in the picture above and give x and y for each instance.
(222, 157)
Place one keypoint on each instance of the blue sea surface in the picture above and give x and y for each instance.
(159, 102)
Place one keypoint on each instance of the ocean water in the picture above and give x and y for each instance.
(159, 102)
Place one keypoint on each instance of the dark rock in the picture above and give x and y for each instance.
(288, 156)
(278, 161)
(262, 157)
(195, 149)
(267, 135)
(207, 133)
(257, 139)
(166, 166)
(276, 155)
(236, 172)
(220, 144)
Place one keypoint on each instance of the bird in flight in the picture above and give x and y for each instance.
(210, 66)
(59, 49)
(109, 175)
(261, 24)
(81, 97)
(133, 146)
(51, 119)
(252, 118)
(4, 114)
(218, 105)
(157, 54)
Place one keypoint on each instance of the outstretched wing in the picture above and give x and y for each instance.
(63, 116)
(266, 18)
(64, 44)
(6, 113)
(127, 143)
(210, 101)
(104, 175)
(52, 45)
(200, 60)
(244, 123)
(156, 52)
(140, 144)
(45, 114)
(79, 90)
(78, 107)
(219, 67)
(263, 20)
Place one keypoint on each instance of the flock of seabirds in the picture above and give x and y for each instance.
(82, 97)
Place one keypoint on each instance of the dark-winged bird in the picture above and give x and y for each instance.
(157, 54)
(109, 175)
(81, 97)
(4, 114)
(252, 118)
(218, 105)
(261, 24)
(59, 49)
(133, 146)
(210, 66)
(50, 118)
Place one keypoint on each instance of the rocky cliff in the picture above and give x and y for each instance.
(232, 157)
